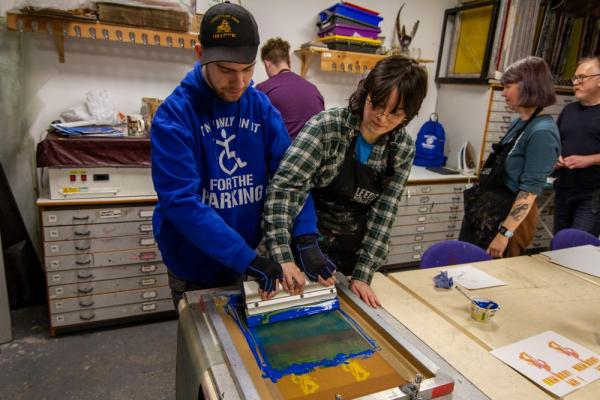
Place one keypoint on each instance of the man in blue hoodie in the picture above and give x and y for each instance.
(216, 141)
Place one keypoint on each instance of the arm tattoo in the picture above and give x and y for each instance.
(519, 211)
(523, 195)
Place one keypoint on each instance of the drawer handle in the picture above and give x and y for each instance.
(420, 228)
(426, 189)
(148, 306)
(85, 290)
(88, 262)
(424, 199)
(456, 198)
(148, 281)
(89, 246)
(81, 218)
(423, 210)
(148, 255)
(148, 268)
(421, 219)
(418, 238)
(145, 228)
(86, 304)
(147, 242)
(82, 233)
(506, 118)
(449, 235)
(81, 275)
(451, 226)
(146, 213)
(453, 208)
(453, 216)
(87, 317)
(149, 295)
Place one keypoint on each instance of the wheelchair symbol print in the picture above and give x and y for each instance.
(230, 154)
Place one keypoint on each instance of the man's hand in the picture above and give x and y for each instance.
(575, 162)
(560, 163)
(497, 246)
(364, 291)
(293, 280)
(267, 272)
(316, 265)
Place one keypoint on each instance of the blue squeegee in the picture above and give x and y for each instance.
(284, 306)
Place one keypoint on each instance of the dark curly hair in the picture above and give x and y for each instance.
(395, 72)
(276, 50)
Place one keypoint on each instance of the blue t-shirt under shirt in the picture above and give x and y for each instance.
(362, 150)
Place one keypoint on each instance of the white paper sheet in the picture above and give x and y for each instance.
(473, 278)
(554, 362)
(584, 259)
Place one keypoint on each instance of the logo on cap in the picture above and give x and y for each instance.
(224, 29)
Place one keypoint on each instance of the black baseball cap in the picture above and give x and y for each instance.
(228, 33)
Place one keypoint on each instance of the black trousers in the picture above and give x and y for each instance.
(179, 287)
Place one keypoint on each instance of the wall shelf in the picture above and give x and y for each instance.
(61, 28)
(340, 61)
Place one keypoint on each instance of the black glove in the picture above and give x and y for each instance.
(266, 271)
(311, 259)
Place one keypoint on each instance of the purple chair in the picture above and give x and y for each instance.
(571, 238)
(451, 252)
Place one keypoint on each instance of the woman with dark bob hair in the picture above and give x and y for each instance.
(500, 211)
(355, 161)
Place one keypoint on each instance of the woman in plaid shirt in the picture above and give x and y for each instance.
(355, 161)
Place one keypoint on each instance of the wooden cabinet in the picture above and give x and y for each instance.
(102, 264)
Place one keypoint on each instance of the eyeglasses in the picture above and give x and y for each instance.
(581, 78)
(380, 111)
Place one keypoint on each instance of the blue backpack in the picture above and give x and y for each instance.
(430, 144)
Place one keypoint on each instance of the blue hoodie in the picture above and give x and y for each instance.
(211, 162)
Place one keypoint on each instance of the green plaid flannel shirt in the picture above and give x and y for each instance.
(312, 161)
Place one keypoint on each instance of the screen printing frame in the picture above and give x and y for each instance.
(208, 360)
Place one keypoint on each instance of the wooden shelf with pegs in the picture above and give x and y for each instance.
(341, 61)
(62, 28)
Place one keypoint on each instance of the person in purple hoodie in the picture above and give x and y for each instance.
(216, 141)
(297, 99)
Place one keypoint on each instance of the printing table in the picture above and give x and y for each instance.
(540, 296)
(214, 359)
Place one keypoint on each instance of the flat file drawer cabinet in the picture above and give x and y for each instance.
(428, 213)
(102, 263)
(432, 212)
(499, 118)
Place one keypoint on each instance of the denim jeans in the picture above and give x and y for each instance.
(577, 208)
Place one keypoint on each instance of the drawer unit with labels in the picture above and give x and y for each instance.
(102, 263)
(428, 213)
